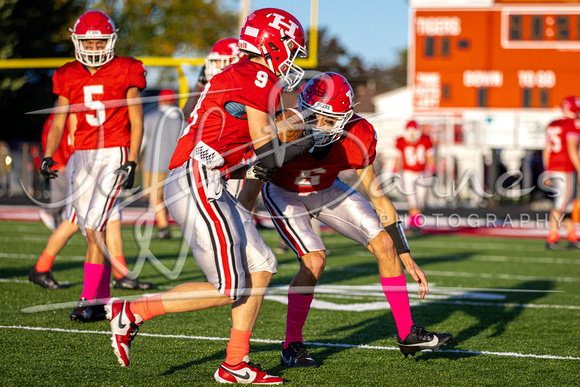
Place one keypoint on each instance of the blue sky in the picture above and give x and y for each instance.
(374, 30)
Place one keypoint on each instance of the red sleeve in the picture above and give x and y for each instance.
(59, 83)
(136, 76)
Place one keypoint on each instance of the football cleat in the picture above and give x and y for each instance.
(296, 356)
(574, 245)
(245, 373)
(46, 280)
(87, 312)
(130, 283)
(163, 233)
(554, 246)
(124, 328)
(421, 340)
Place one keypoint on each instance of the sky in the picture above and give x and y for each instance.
(373, 30)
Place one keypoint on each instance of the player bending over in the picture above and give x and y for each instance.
(308, 187)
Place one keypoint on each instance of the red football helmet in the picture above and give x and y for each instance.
(94, 25)
(413, 131)
(571, 104)
(327, 95)
(223, 53)
(279, 38)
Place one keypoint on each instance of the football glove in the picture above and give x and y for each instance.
(45, 170)
(128, 172)
(202, 78)
(260, 172)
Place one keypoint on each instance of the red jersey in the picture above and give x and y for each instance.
(246, 83)
(99, 100)
(557, 134)
(414, 155)
(356, 149)
(65, 149)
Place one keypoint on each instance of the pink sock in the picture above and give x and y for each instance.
(395, 289)
(298, 307)
(414, 221)
(104, 289)
(93, 274)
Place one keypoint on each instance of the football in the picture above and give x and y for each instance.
(290, 124)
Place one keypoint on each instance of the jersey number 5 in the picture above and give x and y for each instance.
(97, 106)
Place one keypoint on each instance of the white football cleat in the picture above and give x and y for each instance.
(124, 327)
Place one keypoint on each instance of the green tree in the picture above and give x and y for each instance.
(39, 29)
(170, 27)
(31, 29)
(332, 56)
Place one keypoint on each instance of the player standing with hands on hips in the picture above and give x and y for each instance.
(308, 187)
(104, 92)
(222, 129)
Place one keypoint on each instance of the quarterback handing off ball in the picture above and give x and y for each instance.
(290, 124)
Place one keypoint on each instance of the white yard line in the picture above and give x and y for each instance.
(340, 345)
(500, 276)
(35, 256)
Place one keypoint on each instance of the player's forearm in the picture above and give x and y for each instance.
(135, 147)
(385, 210)
(54, 139)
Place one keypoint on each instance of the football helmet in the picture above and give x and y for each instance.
(327, 95)
(413, 132)
(571, 105)
(278, 37)
(94, 25)
(223, 53)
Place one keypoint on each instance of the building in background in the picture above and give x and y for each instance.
(487, 77)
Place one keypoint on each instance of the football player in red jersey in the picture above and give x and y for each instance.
(416, 158)
(40, 273)
(233, 116)
(104, 92)
(562, 164)
(308, 187)
(222, 54)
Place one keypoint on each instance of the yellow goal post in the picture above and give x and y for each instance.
(310, 62)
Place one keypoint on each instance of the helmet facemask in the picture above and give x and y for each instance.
(287, 72)
(412, 135)
(316, 112)
(214, 64)
(94, 58)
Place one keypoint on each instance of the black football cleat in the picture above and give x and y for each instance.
(574, 245)
(296, 356)
(46, 280)
(163, 233)
(87, 312)
(421, 340)
(130, 283)
(555, 246)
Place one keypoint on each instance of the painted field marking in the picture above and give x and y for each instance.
(267, 341)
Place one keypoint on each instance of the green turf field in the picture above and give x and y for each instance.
(512, 306)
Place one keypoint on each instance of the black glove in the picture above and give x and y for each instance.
(202, 78)
(128, 172)
(260, 172)
(45, 170)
